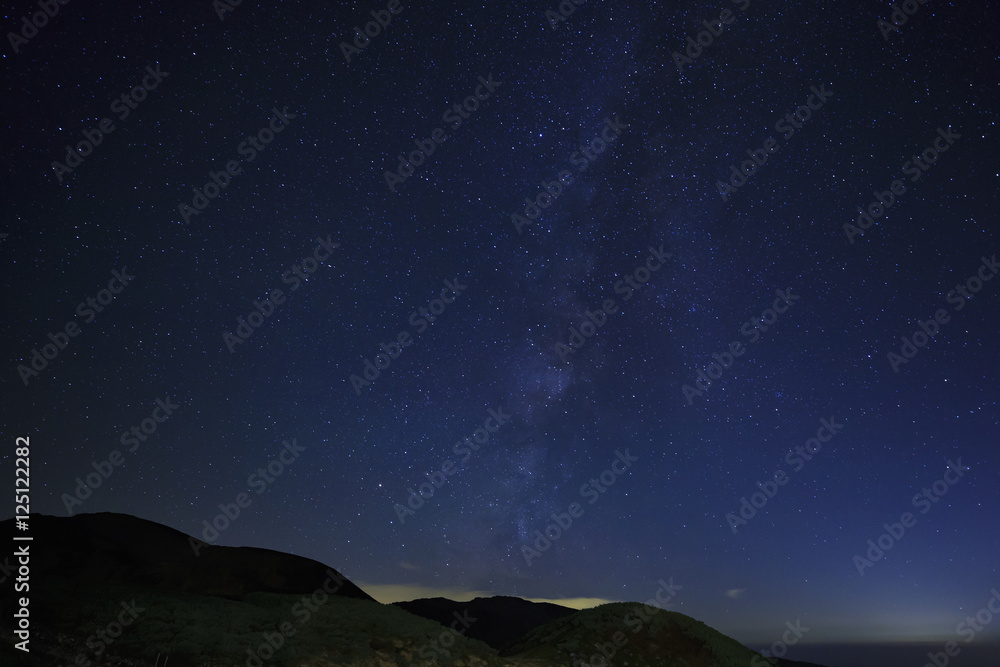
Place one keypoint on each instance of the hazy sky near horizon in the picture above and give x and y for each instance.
(602, 278)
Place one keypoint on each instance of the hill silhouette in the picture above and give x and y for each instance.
(638, 635)
(501, 620)
(112, 590)
(126, 550)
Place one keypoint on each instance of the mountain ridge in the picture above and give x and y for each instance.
(209, 605)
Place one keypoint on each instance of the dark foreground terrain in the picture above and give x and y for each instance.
(114, 590)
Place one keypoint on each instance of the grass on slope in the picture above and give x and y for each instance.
(202, 631)
(650, 636)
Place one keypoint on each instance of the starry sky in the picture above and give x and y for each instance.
(597, 161)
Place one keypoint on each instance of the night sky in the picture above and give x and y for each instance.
(575, 178)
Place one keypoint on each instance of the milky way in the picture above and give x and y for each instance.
(607, 138)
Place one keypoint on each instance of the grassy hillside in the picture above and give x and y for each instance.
(209, 631)
(197, 631)
(112, 590)
(645, 636)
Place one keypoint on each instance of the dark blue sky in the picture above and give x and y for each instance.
(625, 158)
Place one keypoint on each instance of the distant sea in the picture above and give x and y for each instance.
(974, 654)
